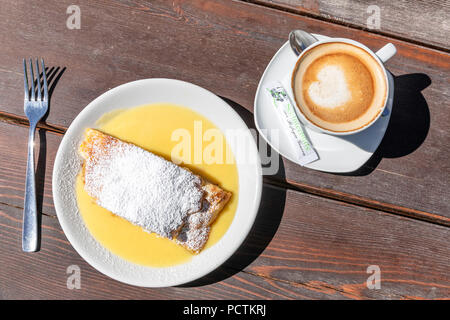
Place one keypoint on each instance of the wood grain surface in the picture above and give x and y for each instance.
(301, 246)
(224, 46)
(425, 22)
(316, 233)
(313, 248)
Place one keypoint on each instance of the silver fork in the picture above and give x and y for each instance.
(35, 108)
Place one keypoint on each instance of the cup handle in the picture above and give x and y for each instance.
(387, 52)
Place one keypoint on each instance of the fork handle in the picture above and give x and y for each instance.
(30, 214)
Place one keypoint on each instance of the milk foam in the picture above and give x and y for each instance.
(331, 90)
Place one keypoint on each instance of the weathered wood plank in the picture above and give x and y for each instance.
(224, 46)
(425, 22)
(321, 246)
(324, 244)
(315, 249)
(12, 175)
(301, 246)
(43, 275)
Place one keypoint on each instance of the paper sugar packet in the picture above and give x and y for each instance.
(303, 148)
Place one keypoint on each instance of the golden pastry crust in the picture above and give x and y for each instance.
(94, 139)
(195, 232)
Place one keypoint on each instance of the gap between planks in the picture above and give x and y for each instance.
(360, 201)
(295, 186)
(298, 12)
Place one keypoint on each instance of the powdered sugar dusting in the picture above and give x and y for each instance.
(141, 187)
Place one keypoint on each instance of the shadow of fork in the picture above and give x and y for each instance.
(53, 74)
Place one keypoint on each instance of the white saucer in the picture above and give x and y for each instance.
(67, 165)
(336, 153)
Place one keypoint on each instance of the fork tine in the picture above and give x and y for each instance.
(25, 81)
(45, 80)
(38, 76)
(32, 80)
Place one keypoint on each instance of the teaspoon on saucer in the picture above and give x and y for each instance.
(299, 40)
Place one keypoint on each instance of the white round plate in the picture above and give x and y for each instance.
(67, 166)
(336, 153)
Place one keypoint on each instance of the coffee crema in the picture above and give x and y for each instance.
(339, 86)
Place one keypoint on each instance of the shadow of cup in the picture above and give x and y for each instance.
(410, 118)
(409, 123)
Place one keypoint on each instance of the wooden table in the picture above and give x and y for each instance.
(316, 233)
